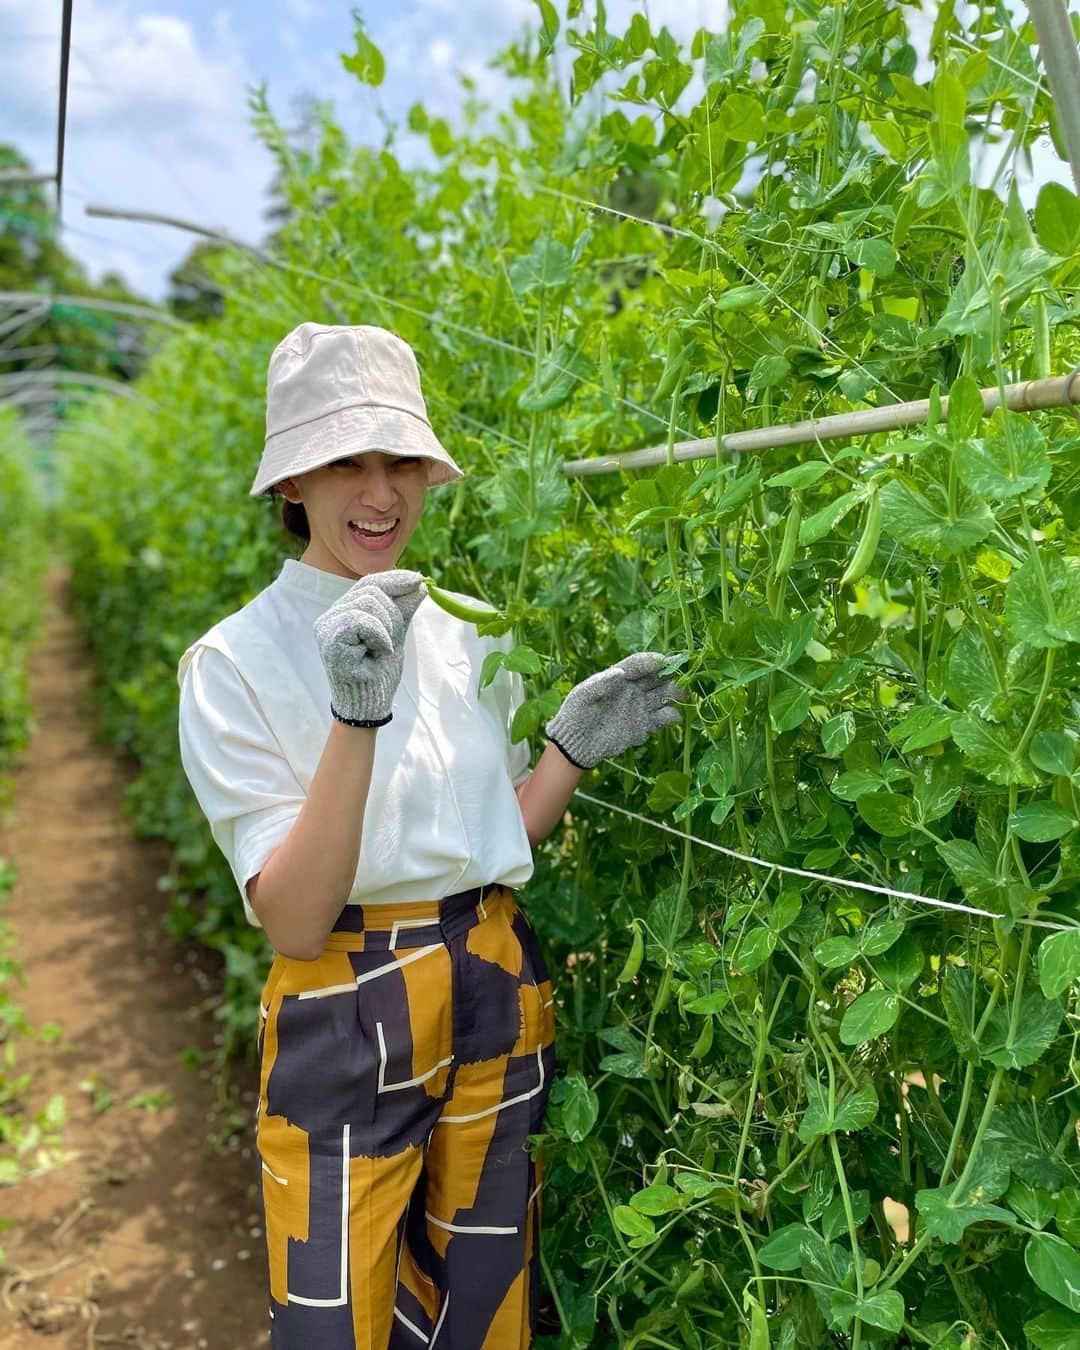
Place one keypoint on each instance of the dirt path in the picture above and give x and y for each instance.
(149, 1237)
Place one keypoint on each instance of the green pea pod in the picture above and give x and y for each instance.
(676, 357)
(692, 1281)
(791, 537)
(867, 545)
(663, 994)
(793, 75)
(633, 960)
(469, 613)
(704, 1040)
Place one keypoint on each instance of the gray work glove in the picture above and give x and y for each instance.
(614, 709)
(361, 639)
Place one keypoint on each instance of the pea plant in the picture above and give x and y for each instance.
(816, 951)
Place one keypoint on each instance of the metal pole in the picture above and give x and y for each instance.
(1061, 61)
(1058, 392)
(65, 52)
(17, 178)
(48, 299)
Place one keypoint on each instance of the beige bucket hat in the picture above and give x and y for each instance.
(338, 389)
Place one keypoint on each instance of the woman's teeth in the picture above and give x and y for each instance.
(374, 534)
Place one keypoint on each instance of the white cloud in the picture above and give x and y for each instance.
(157, 120)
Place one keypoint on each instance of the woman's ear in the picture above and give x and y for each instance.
(287, 488)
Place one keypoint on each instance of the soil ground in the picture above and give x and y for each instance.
(149, 1236)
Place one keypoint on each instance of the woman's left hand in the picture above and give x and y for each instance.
(614, 709)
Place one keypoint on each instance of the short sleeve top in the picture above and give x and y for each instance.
(442, 813)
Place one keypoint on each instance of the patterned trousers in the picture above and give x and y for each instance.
(400, 1073)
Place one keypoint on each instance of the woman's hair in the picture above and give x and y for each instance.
(293, 516)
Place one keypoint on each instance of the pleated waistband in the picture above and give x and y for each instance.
(411, 923)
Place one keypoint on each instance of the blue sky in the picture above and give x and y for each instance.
(157, 105)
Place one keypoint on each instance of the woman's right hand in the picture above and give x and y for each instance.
(361, 640)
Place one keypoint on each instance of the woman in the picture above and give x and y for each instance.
(376, 817)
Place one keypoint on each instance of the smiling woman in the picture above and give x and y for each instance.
(365, 790)
(367, 503)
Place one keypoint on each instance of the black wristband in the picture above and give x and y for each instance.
(361, 721)
(567, 753)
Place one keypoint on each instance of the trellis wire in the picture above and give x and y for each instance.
(269, 260)
(816, 876)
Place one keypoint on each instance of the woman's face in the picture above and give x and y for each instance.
(368, 487)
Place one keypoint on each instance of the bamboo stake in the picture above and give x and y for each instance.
(1058, 392)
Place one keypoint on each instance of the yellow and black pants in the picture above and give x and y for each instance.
(400, 1073)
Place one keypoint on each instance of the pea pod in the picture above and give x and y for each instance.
(692, 1281)
(791, 537)
(633, 959)
(676, 357)
(663, 994)
(469, 613)
(704, 1041)
(867, 545)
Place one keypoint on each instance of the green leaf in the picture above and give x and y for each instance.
(1025, 1137)
(965, 410)
(1057, 1329)
(931, 526)
(739, 298)
(1057, 219)
(580, 1106)
(789, 708)
(783, 1251)
(992, 752)
(1041, 822)
(884, 1309)
(938, 786)
(639, 1227)
(768, 372)
(366, 63)
(741, 117)
(887, 813)
(837, 951)
(1059, 962)
(1055, 1268)
(1010, 460)
(973, 682)
(947, 1218)
(870, 1015)
(857, 1109)
(877, 255)
(1045, 621)
(658, 1198)
(838, 733)
(671, 787)
(926, 724)
(901, 966)
(1052, 751)
(802, 475)
(1036, 1027)
(818, 525)
(754, 948)
(880, 935)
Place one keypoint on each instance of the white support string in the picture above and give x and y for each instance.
(817, 876)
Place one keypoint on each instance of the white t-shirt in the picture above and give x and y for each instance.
(254, 715)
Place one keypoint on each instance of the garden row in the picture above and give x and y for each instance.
(806, 1106)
